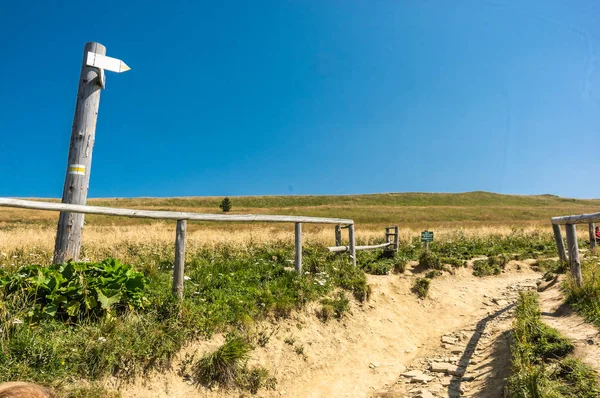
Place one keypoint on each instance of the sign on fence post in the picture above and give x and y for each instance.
(426, 237)
(77, 179)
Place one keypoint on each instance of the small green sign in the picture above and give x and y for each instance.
(427, 236)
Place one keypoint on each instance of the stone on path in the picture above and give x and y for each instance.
(424, 394)
(449, 340)
(412, 373)
(422, 378)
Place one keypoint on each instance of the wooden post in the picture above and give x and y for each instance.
(298, 244)
(338, 235)
(77, 179)
(178, 266)
(574, 262)
(560, 243)
(396, 238)
(352, 243)
(591, 227)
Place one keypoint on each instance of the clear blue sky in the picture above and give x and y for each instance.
(307, 97)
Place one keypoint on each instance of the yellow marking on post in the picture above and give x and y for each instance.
(78, 169)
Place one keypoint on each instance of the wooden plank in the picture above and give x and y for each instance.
(178, 265)
(352, 243)
(574, 261)
(337, 249)
(166, 215)
(577, 219)
(591, 229)
(298, 246)
(79, 162)
(338, 235)
(560, 244)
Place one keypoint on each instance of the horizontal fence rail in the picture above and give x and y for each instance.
(577, 219)
(338, 249)
(166, 215)
(183, 217)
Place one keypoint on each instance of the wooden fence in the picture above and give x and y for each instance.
(570, 223)
(183, 217)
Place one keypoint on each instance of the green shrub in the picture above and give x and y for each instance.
(225, 205)
(551, 265)
(76, 290)
(380, 267)
(399, 265)
(256, 378)
(486, 267)
(334, 308)
(433, 273)
(228, 367)
(421, 287)
(224, 366)
(430, 260)
(454, 262)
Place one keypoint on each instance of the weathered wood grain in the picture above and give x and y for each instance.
(340, 249)
(352, 243)
(298, 247)
(338, 235)
(166, 215)
(77, 179)
(577, 219)
(179, 264)
(592, 232)
(560, 243)
(574, 261)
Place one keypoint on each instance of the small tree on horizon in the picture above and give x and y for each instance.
(225, 205)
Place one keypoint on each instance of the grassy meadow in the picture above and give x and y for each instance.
(100, 318)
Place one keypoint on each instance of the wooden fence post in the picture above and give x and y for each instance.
(396, 238)
(352, 243)
(591, 227)
(574, 262)
(338, 235)
(77, 180)
(178, 265)
(298, 244)
(560, 243)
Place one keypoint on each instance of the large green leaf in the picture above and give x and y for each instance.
(107, 302)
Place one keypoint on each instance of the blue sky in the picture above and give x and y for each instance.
(307, 97)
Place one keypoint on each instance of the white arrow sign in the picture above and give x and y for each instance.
(108, 63)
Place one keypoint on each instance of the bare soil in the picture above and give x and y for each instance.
(365, 353)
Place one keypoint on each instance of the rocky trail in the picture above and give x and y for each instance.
(470, 361)
(453, 343)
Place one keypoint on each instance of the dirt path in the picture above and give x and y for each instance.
(473, 360)
(367, 351)
(585, 336)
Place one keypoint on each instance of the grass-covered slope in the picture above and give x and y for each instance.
(408, 209)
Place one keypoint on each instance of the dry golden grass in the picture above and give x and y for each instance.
(474, 213)
(118, 241)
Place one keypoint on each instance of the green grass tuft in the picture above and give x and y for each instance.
(334, 308)
(421, 287)
(541, 366)
(429, 260)
(585, 299)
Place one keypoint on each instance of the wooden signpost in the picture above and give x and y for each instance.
(77, 179)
